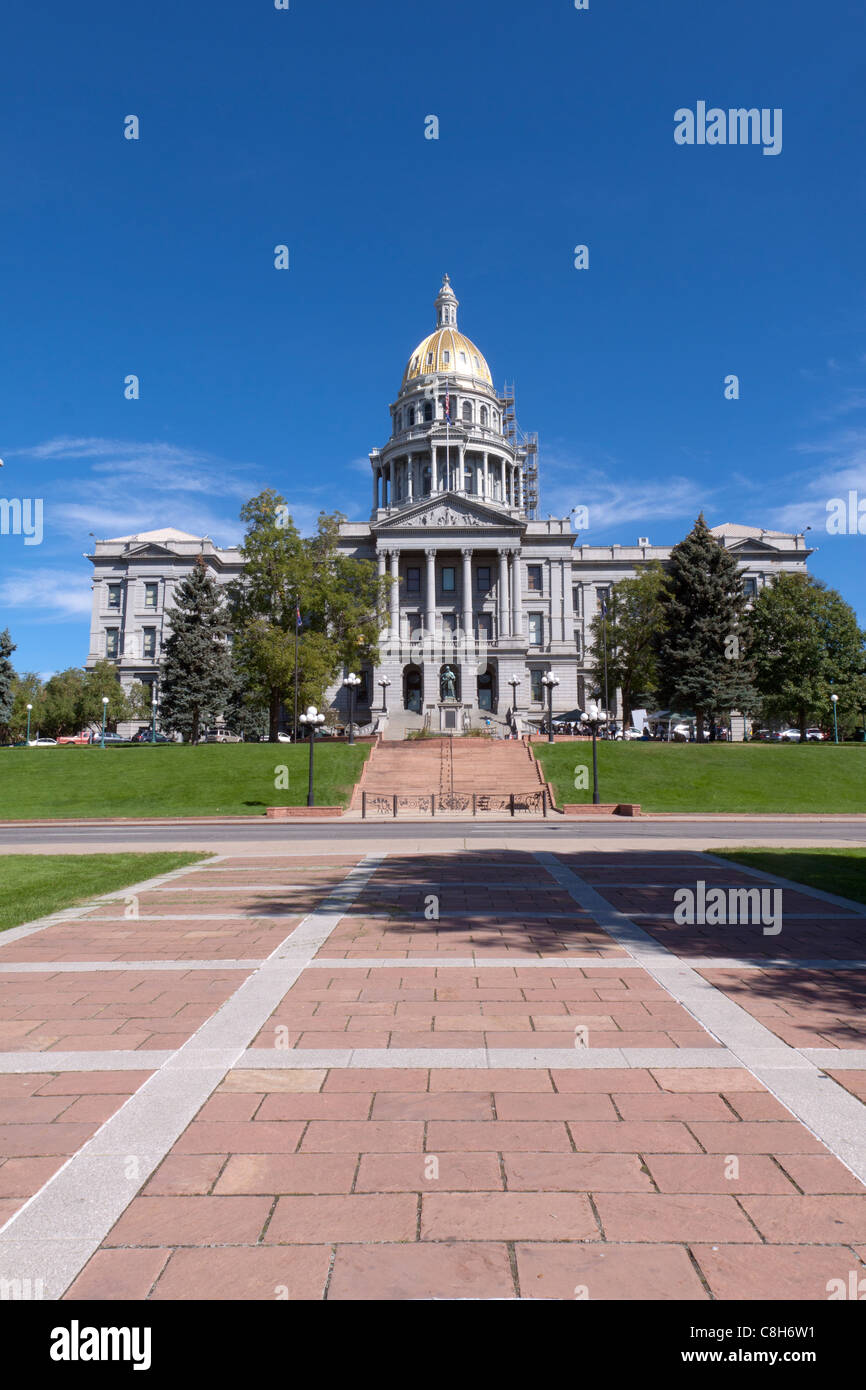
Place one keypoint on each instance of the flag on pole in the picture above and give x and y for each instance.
(447, 404)
(297, 615)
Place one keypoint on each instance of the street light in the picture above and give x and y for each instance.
(549, 680)
(312, 719)
(384, 682)
(29, 708)
(594, 718)
(352, 681)
(153, 718)
(835, 700)
(104, 708)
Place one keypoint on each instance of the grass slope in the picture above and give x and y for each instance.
(841, 871)
(32, 885)
(714, 776)
(171, 779)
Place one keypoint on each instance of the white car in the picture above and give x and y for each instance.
(284, 738)
(629, 734)
(42, 743)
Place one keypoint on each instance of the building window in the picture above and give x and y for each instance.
(467, 410)
(463, 357)
(449, 623)
(112, 637)
(446, 357)
(148, 642)
(484, 626)
(536, 629)
(577, 646)
(483, 412)
(577, 600)
(602, 596)
(477, 364)
(151, 592)
(428, 410)
(483, 578)
(536, 689)
(413, 580)
(448, 584)
(750, 587)
(533, 578)
(114, 595)
(429, 359)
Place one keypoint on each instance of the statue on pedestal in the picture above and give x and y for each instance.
(448, 684)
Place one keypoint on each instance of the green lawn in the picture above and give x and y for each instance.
(32, 885)
(815, 777)
(841, 871)
(172, 779)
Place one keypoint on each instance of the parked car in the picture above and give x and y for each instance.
(815, 735)
(789, 735)
(42, 743)
(84, 737)
(284, 738)
(145, 735)
(630, 734)
(219, 736)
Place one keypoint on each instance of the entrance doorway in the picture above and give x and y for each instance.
(413, 687)
(486, 690)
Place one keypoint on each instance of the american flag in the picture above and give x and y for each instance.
(297, 615)
(447, 404)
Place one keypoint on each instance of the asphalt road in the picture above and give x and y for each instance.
(272, 836)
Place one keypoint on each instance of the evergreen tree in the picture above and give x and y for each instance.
(703, 657)
(635, 612)
(196, 681)
(7, 682)
(807, 647)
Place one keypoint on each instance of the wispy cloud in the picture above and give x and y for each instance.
(839, 468)
(613, 498)
(55, 593)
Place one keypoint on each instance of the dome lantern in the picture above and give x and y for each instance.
(446, 304)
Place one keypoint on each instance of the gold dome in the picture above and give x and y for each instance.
(447, 350)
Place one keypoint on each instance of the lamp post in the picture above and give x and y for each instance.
(312, 719)
(595, 717)
(153, 718)
(104, 708)
(549, 680)
(835, 700)
(384, 682)
(352, 682)
(29, 708)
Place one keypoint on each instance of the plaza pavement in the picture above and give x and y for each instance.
(486, 1073)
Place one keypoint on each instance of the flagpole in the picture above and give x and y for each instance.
(604, 646)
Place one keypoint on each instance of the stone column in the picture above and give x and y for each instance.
(395, 598)
(520, 488)
(375, 489)
(381, 557)
(516, 596)
(410, 481)
(430, 594)
(434, 474)
(461, 482)
(467, 596)
(391, 483)
(486, 492)
(504, 629)
(502, 480)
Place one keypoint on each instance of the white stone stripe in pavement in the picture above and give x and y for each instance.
(615, 963)
(828, 1111)
(58, 1229)
(294, 1059)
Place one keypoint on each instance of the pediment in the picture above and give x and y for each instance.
(753, 545)
(449, 511)
(151, 549)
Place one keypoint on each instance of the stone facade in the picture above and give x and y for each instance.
(483, 587)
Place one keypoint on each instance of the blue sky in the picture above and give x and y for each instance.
(306, 127)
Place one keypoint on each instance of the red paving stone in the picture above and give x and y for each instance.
(404, 1183)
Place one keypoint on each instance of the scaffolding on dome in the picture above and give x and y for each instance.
(525, 447)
